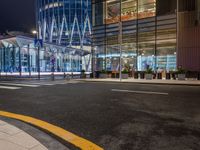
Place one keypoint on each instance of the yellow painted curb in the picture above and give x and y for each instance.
(75, 140)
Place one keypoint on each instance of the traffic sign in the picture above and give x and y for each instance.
(38, 43)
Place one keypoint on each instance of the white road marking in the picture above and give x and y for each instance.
(139, 92)
(46, 84)
(23, 85)
(10, 87)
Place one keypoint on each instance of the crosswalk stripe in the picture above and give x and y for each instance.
(22, 85)
(10, 87)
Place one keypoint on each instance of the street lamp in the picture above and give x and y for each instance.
(34, 32)
(120, 43)
(177, 30)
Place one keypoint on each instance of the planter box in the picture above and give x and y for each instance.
(181, 76)
(124, 76)
(148, 76)
(103, 75)
(168, 76)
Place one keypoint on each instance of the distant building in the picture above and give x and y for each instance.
(66, 23)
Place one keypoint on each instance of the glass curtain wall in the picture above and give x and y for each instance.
(14, 59)
(148, 36)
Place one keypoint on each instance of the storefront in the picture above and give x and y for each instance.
(19, 54)
(147, 37)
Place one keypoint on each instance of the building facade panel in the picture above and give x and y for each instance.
(148, 34)
(189, 42)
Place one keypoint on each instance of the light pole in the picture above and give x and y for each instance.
(38, 51)
(29, 64)
(177, 30)
(120, 44)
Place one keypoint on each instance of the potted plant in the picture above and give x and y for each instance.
(83, 75)
(103, 74)
(125, 73)
(149, 74)
(181, 74)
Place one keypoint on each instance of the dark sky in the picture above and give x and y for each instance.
(17, 15)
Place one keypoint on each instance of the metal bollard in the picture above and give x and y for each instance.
(72, 75)
(52, 77)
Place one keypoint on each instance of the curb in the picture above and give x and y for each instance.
(46, 140)
(138, 82)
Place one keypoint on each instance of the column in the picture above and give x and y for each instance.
(20, 62)
(29, 64)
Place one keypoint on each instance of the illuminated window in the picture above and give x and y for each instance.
(113, 11)
(146, 8)
(129, 10)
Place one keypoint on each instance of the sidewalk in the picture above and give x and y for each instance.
(144, 81)
(12, 138)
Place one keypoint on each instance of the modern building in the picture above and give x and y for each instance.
(65, 29)
(19, 55)
(141, 34)
(67, 23)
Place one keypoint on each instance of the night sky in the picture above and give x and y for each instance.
(17, 15)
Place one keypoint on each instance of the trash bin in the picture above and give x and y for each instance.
(91, 75)
(168, 76)
(142, 75)
(97, 74)
(174, 76)
(135, 75)
(159, 75)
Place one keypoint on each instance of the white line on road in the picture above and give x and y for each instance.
(16, 84)
(139, 92)
(10, 87)
(46, 84)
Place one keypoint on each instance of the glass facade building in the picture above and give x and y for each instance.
(67, 23)
(65, 28)
(142, 32)
(18, 54)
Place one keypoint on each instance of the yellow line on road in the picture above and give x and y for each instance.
(75, 140)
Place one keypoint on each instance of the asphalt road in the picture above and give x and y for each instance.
(115, 116)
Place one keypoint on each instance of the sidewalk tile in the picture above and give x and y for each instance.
(9, 129)
(39, 147)
(24, 140)
(2, 123)
(5, 145)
